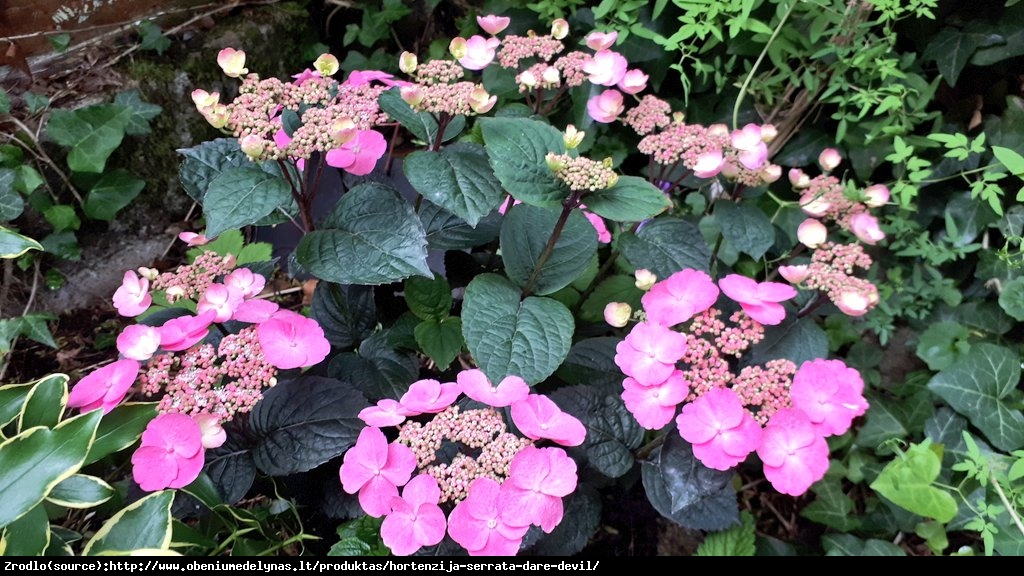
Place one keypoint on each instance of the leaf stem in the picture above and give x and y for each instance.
(568, 206)
(757, 63)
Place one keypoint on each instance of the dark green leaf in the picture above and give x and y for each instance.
(950, 49)
(28, 535)
(115, 190)
(524, 237)
(231, 466)
(632, 199)
(120, 428)
(206, 161)
(849, 545)
(347, 314)
(685, 491)
(798, 341)
(12, 398)
(142, 525)
(152, 37)
(581, 519)
(27, 179)
(746, 227)
(458, 178)
(831, 506)
(981, 386)
(428, 299)
(371, 237)
(618, 288)
(735, 541)
(142, 112)
(421, 124)
(517, 148)
(592, 362)
(665, 246)
(446, 231)
(5, 102)
(81, 491)
(11, 203)
(378, 371)
(304, 422)
(440, 340)
(92, 133)
(506, 336)
(612, 432)
(44, 405)
(241, 196)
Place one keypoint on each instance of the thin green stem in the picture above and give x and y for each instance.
(1006, 503)
(757, 63)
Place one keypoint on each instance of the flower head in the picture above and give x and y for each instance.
(759, 300)
(474, 383)
(606, 106)
(359, 155)
(493, 24)
(415, 519)
(830, 394)
(537, 481)
(650, 352)
(105, 387)
(170, 454)
(183, 332)
(679, 297)
(598, 41)
(654, 406)
(478, 524)
(537, 417)
(232, 62)
(476, 52)
(291, 340)
(721, 431)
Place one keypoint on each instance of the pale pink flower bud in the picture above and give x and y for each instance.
(551, 76)
(709, 164)
(528, 79)
(601, 40)
(559, 29)
(213, 433)
(617, 314)
(480, 101)
(865, 227)
(645, 279)
(768, 133)
(554, 161)
(493, 24)
(815, 205)
(812, 233)
(216, 115)
(606, 106)
(232, 62)
(794, 274)
(148, 273)
(876, 195)
(633, 82)
(852, 303)
(829, 159)
(572, 137)
(204, 99)
(771, 172)
(192, 239)
(412, 95)
(458, 47)
(327, 64)
(798, 178)
(252, 145)
(408, 62)
(716, 130)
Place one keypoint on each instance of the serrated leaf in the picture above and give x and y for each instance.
(592, 362)
(371, 237)
(241, 196)
(142, 525)
(231, 467)
(36, 460)
(735, 541)
(524, 237)
(517, 148)
(908, 481)
(528, 338)
(746, 227)
(458, 178)
(304, 422)
(685, 491)
(81, 491)
(142, 112)
(92, 133)
(206, 161)
(446, 231)
(45, 402)
(429, 299)
(120, 428)
(632, 199)
(115, 190)
(665, 246)
(378, 370)
(13, 245)
(612, 432)
(347, 314)
(849, 545)
(797, 340)
(440, 340)
(980, 387)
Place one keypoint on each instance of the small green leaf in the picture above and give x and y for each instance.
(440, 340)
(142, 112)
(1011, 299)
(359, 537)
(458, 178)
(152, 37)
(142, 525)
(115, 190)
(517, 148)
(506, 336)
(735, 541)
(428, 299)
(942, 344)
(371, 237)
(11, 203)
(81, 491)
(908, 482)
(831, 506)
(35, 102)
(44, 405)
(632, 199)
(525, 234)
(62, 217)
(92, 133)
(746, 227)
(27, 179)
(241, 196)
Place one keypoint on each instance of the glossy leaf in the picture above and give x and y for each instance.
(206, 161)
(746, 227)
(242, 196)
(428, 299)
(11, 203)
(142, 525)
(524, 237)
(440, 340)
(12, 398)
(377, 370)
(231, 467)
(44, 405)
(347, 314)
(592, 362)
(908, 481)
(28, 535)
(13, 245)
(121, 428)
(458, 178)
(517, 148)
(81, 491)
(850, 545)
(632, 199)
(612, 432)
(665, 246)
(446, 231)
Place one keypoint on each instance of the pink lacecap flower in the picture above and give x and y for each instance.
(812, 233)
(598, 41)
(475, 384)
(307, 74)
(633, 81)
(537, 417)
(605, 67)
(181, 333)
(375, 469)
(679, 297)
(104, 387)
(759, 300)
(415, 519)
(603, 235)
(538, 479)
(650, 352)
(193, 239)
(478, 524)
(132, 297)
(830, 394)
(794, 273)
(291, 340)
(220, 299)
(170, 455)
(793, 454)
(606, 106)
(709, 164)
(429, 396)
(387, 412)
(359, 155)
(479, 52)
(364, 77)
(654, 406)
(753, 152)
(721, 431)
(248, 282)
(213, 433)
(493, 24)
(255, 311)
(865, 227)
(138, 342)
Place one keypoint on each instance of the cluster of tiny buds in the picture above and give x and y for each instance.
(765, 390)
(515, 49)
(191, 280)
(582, 174)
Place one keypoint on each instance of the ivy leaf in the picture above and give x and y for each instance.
(458, 178)
(92, 133)
(528, 338)
(735, 541)
(517, 148)
(942, 344)
(632, 199)
(371, 237)
(115, 190)
(241, 196)
(524, 237)
(831, 506)
(983, 387)
(11, 203)
(908, 481)
(849, 545)
(685, 491)
(1011, 299)
(665, 246)
(951, 49)
(142, 112)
